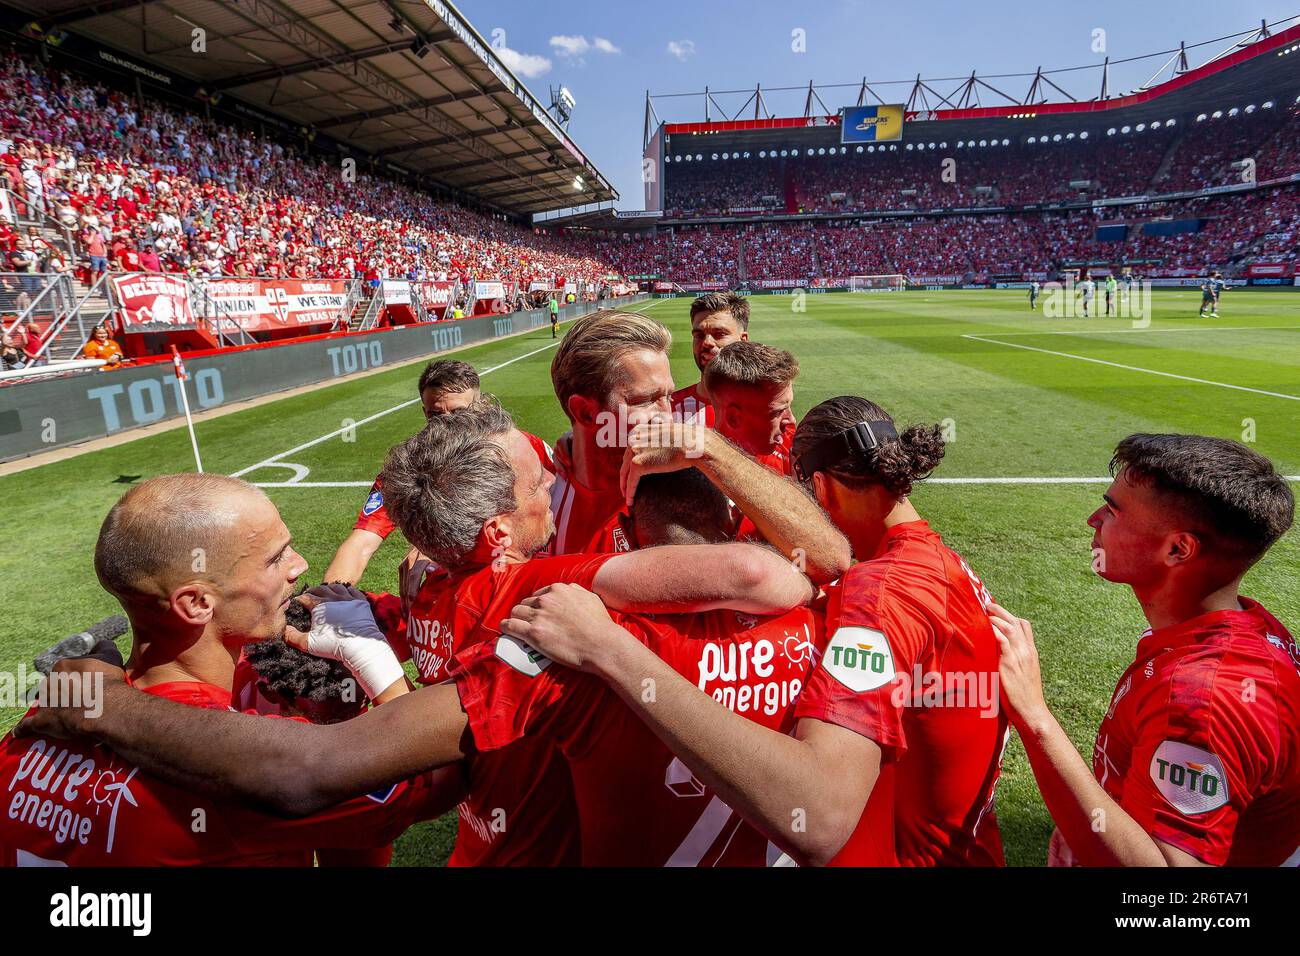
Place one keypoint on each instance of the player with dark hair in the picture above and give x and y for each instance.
(276, 678)
(638, 804)
(284, 680)
(751, 387)
(699, 507)
(879, 769)
(1197, 761)
(445, 386)
(1211, 287)
(717, 319)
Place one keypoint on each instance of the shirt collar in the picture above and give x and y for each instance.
(1204, 627)
(906, 529)
(192, 692)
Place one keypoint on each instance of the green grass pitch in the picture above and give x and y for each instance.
(1030, 397)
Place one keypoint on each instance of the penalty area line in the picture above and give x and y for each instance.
(301, 471)
(1133, 368)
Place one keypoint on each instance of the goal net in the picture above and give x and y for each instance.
(885, 283)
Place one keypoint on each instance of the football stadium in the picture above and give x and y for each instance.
(288, 283)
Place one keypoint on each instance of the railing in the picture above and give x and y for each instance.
(417, 300)
(22, 292)
(23, 212)
(76, 312)
(55, 298)
(349, 303)
(371, 318)
(20, 210)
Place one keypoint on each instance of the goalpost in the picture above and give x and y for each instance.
(881, 283)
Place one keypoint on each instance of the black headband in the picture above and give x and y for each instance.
(856, 441)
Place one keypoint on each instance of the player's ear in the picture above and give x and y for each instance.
(497, 534)
(822, 489)
(582, 409)
(1183, 546)
(193, 603)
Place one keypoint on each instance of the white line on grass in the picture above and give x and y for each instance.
(301, 471)
(1133, 368)
(1221, 328)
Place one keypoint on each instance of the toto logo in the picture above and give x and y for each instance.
(153, 399)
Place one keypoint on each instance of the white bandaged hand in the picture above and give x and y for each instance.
(343, 629)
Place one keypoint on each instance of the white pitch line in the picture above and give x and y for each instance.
(1221, 328)
(1134, 368)
(274, 460)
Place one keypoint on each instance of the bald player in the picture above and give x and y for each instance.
(203, 567)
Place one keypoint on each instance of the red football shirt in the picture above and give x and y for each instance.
(247, 697)
(616, 536)
(373, 518)
(912, 663)
(579, 511)
(79, 804)
(638, 804)
(689, 407)
(1201, 744)
(520, 809)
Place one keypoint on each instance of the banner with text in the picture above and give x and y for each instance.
(256, 305)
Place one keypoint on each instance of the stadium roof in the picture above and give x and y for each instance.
(1258, 64)
(408, 81)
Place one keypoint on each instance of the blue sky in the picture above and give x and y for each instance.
(609, 53)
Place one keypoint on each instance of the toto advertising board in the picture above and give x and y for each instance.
(41, 414)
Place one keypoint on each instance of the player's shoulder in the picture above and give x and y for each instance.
(1236, 669)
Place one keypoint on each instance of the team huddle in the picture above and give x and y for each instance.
(692, 632)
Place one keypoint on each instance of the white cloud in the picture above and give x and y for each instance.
(681, 49)
(527, 65)
(576, 46)
(570, 46)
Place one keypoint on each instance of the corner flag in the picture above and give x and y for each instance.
(182, 377)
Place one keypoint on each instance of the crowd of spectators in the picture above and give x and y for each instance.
(145, 187)
(923, 176)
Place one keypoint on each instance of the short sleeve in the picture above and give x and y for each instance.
(509, 691)
(372, 517)
(877, 638)
(1201, 755)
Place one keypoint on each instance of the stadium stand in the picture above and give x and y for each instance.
(111, 181)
